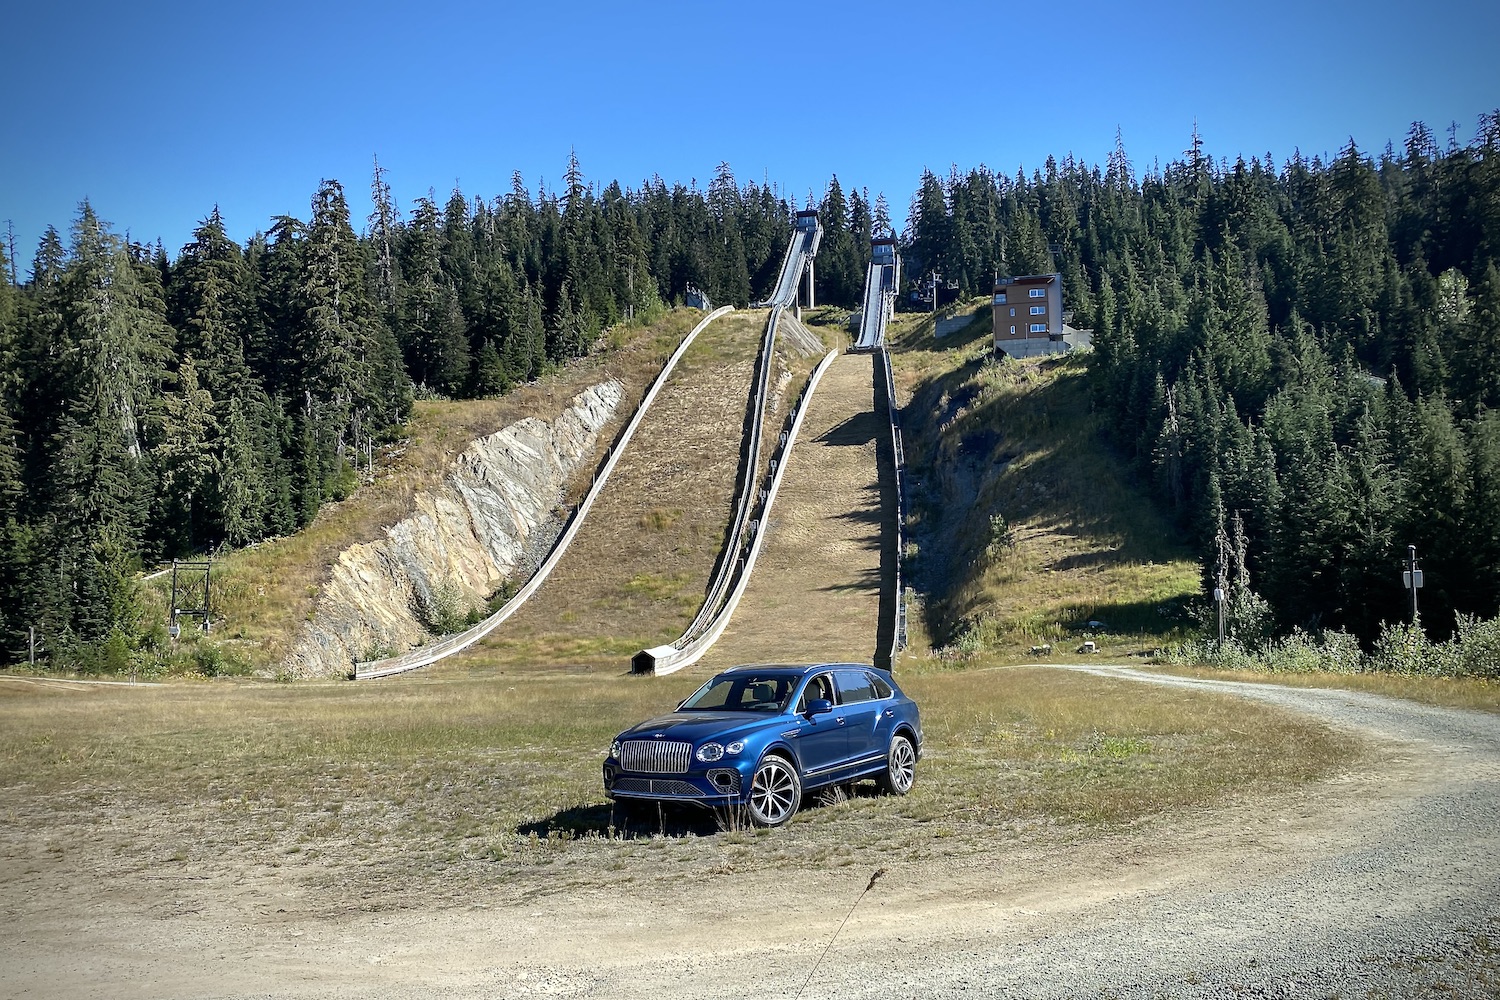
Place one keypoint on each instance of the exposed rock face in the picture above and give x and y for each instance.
(461, 543)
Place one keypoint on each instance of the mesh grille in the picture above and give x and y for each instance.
(655, 756)
(655, 786)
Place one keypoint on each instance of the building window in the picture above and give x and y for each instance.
(1012, 329)
(1038, 293)
(1012, 310)
(1039, 328)
(999, 298)
(1038, 310)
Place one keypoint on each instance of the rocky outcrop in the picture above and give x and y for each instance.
(462, 542)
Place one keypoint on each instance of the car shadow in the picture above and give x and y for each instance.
(636, 820)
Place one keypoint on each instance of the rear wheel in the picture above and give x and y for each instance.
(775, 792)
(900, 766)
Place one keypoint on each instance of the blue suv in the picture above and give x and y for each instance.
(762, 736)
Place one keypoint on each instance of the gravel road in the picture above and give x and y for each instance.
(1393, 892)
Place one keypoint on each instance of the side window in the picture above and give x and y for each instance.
(881, 688)
(820, 686)
(854, 686)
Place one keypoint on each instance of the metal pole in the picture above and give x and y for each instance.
(1219, 600)
(32, 631)
(1411, 567)
(172, 628)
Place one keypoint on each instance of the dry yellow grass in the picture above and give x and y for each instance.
(263, 594)
(815, 592)
(1025, 526)
(638, 571)
(494, 780)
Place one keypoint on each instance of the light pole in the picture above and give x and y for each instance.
(1219, 600)
(1411, 578)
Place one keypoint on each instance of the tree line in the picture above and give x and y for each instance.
(1302, 361)
(154, 407)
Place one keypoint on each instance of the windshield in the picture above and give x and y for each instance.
(742, 693)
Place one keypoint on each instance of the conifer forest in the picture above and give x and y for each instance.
(1300, 358)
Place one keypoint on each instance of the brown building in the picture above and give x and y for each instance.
(1029, 315)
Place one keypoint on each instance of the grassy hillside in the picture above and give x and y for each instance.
(637, 572)
(1024, 526)
(262, 594)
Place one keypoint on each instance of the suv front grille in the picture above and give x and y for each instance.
(655, 786)
(655, 756)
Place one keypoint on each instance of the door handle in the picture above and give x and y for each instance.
(841, 720)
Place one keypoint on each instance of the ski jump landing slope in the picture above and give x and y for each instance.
(816, 592)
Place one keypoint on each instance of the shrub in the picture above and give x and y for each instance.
(1474, 650)
(342, 484)
(212, 660)
(442, 610)
(1336, 652)
(1001, 535)
(1402, 648)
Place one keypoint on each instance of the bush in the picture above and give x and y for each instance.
(442, 610)
(342, 484)
(212, 660)
(1474, 650)
(1001, 536)
(1207, 652)
(1335, 652)
(1403, 648)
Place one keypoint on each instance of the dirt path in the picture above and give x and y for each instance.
(1382, 883)
(815, 592)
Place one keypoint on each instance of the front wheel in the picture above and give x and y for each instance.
(775, 792)
(900, 767)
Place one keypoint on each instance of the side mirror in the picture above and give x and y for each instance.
(818, 706)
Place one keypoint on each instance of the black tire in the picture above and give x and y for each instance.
(900, 766)
(775, 792)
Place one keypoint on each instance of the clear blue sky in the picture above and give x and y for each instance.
(156, 111)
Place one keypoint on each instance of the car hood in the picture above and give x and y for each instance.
(696, 727)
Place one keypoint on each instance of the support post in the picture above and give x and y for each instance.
(1219, 600)
(1412, 578)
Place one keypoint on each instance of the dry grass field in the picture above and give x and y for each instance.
(416, 789)
(816, 588)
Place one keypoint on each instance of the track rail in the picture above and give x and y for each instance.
(898, 464)
(749, 480)
(671, 658)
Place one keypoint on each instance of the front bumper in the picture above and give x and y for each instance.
(719, 785)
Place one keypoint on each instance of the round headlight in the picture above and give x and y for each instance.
(614, 750)
(735, 747)
(710, 752)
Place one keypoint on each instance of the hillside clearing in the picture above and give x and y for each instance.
(1024, 527)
